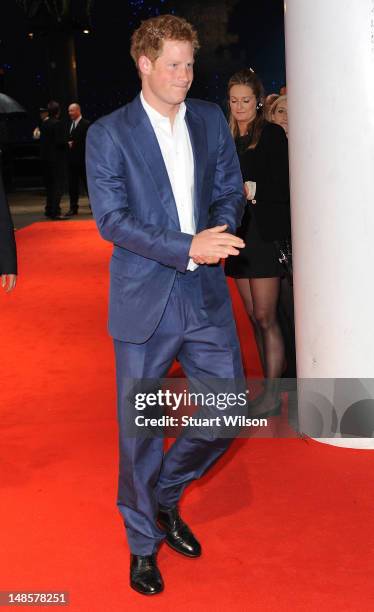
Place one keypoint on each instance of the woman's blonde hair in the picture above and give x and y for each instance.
(250, 79)
(269, 101)
(275, 105)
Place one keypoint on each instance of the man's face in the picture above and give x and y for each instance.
(170, 76)
(74, 112)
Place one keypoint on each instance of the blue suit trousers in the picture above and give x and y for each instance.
(148, 477)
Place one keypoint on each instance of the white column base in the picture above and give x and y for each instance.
(360, 443)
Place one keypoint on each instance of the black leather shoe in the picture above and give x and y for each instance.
(178, 535)
(145, 576)
(71, 213)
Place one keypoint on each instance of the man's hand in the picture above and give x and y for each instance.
(211, 245)
(8, 281)
(206, 260)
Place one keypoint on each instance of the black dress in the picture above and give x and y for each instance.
(267, 219)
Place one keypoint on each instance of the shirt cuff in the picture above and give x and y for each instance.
(192, 265)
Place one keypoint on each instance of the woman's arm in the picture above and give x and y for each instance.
(272, 178)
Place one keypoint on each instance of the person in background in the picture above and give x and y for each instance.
(263, 155)
(278, 113)
(283, 90)
(268, 103)
(53, 155)
(286, 316)
(43, 113)
(8, 250)
(76, 156)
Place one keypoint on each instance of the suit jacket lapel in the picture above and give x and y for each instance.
(147, 143)
(199, 144)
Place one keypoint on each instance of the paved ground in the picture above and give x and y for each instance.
(28, 207)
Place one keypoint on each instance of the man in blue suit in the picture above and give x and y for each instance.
(166, 189)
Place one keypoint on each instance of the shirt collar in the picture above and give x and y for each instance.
(156, 118)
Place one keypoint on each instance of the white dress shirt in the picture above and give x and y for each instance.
(75, 123)
(177, 153)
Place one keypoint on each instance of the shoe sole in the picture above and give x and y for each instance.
(144, 592)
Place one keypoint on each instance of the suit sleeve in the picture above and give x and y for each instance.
(8, 252)
(228, 198)
(61, 136)
(274, 166)
(106, 175)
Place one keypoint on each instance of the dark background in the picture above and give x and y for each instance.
(233, 34)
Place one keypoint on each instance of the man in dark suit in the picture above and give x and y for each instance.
(8, 252)
(76, 156)
(44, 116)
(166, 189)
(53, 155)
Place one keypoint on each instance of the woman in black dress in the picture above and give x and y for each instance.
(263, 154)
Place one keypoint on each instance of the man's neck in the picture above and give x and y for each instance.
(167, 110)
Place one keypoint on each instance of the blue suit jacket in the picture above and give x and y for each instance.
(134, 207)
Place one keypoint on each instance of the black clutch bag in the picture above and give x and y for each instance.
(284, 254)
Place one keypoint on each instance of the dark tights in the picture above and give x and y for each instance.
(260, 297)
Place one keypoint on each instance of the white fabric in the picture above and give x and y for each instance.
(177, 153)
(251, 189)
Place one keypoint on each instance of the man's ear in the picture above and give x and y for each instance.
(144, 65)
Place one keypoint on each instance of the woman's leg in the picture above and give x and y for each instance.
(244, 289)
(265, 295)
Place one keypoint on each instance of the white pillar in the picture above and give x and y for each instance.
(330, 86)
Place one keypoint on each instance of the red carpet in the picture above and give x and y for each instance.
(286, 525)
